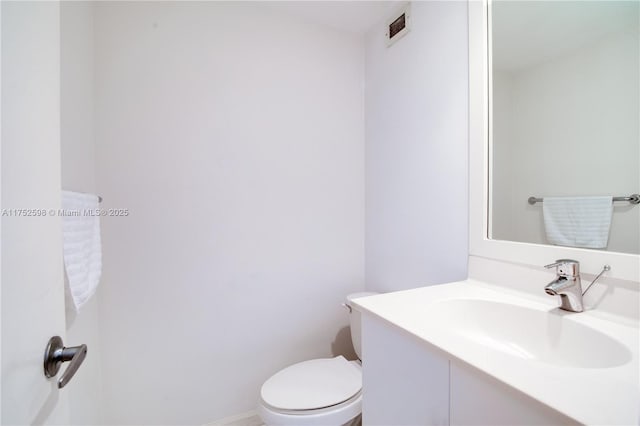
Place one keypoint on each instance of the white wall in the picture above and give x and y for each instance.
(235, 138)
(78, 174)
(573, 130)
(502, 165)
(416, 156)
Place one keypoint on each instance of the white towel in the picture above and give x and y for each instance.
(578, 221)
(81, 245)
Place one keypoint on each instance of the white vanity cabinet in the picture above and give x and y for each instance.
(407, 381)
(403, 381)
(478, 399)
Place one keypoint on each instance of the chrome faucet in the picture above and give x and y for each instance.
(567, 284)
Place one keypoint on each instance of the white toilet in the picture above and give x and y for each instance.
(319, 392)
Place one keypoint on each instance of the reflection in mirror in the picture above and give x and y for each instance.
(564, 92)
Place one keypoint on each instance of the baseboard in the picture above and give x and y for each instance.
(249, 418)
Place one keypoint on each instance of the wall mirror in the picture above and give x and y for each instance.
(564, 108)
(596, 158)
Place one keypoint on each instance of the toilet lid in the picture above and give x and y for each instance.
(314, 384)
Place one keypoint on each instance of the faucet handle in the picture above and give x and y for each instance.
(566, 267)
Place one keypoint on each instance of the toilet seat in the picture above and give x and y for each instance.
(338, 415)
(315, 392)
(312, 385)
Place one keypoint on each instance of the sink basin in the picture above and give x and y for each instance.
(545, 336)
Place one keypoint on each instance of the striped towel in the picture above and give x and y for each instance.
(578, 221)
(81, 245)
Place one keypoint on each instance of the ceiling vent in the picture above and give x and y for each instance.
(399, 24)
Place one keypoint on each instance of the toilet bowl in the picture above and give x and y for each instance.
(318, 392)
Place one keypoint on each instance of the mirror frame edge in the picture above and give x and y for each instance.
(623, 265)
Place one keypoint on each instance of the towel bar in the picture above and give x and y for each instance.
(633, 199)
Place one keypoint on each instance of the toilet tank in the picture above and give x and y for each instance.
(354, 318)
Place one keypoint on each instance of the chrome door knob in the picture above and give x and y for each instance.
(55, 354)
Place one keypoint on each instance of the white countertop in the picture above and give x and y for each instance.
(589, 395)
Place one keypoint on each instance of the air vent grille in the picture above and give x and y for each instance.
(399, 24)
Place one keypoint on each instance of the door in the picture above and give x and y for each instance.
(31, 250)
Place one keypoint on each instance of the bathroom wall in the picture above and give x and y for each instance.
(234, 136)
(502, 167)
(416, 156)
(598, 81)
(78, 174)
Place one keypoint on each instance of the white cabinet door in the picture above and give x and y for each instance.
(32, 274)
